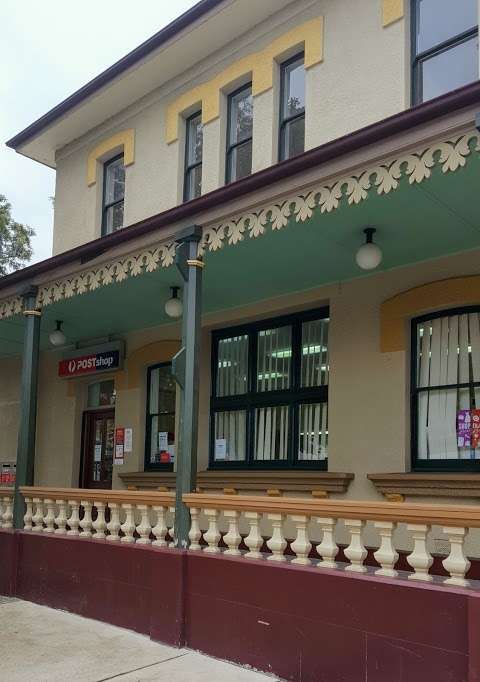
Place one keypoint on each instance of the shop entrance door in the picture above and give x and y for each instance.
(98, 446)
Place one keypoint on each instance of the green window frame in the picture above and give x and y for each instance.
(269, 401)
(153, 417)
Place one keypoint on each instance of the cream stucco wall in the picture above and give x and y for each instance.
(364, 77)
(368, 395)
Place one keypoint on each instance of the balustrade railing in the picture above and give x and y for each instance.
(6, 507)
(242, 517)
(142, 518)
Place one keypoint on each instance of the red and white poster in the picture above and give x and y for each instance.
(119, 445)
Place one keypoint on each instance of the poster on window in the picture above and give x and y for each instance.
(464, 429)
(475, 420)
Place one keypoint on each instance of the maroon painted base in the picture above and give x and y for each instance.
(301, 623)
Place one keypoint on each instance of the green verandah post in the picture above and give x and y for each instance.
(28, 403)
(186, 372)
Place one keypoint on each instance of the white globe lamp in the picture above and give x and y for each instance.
(57, 337)
(369, 255)
(174, 306)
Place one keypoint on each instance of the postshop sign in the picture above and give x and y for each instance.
(94, 360)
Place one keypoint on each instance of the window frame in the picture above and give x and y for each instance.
(434, 465)
(189, 167)
(439, 48)
(159, 466)
(231, 147)
(284, 121)
(106, 207)
(253, 399)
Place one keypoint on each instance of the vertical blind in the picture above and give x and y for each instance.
(447, 383)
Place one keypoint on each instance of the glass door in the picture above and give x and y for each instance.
(98, 449)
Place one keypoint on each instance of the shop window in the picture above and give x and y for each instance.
(193, 157)
(113, 195)
(239, 134)
(269, 406)
(446, 391)
(101, 394)
(292, 108)
(160, 427)
(444, 46)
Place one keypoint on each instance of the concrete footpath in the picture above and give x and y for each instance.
(38, 644)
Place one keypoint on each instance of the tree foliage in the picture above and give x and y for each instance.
(15, 240)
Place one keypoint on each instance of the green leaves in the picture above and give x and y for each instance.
(15, 240)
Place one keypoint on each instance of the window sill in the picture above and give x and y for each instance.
(394, 486)
(315, 483)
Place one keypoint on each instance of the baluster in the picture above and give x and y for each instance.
(145, 527)
(456, 563)
(171, 531)
(50, 517)
(61, 519)
(233, 538)
(128, 527)
(356, 551)
(328, 548)
(160, 528)
(420, 559)
(37, 518)
(27, 519)
(2, 509)
(7, 516)
(86, 522)
(99, 525)
(301, 545)
(74, 518)
(254, 540)
(277, 543)
(113, 526)
(386, 554)
(212, 536)
(195, 533)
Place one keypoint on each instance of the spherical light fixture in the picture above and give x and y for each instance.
(57, 337)
(369, 256)
(174, 306)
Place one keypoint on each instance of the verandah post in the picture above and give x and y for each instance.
(28, 403)
(186, 372)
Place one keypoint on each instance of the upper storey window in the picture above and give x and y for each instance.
(113, 194)
(193, 157)
(292, 108)
(240, 134)
(445, 46)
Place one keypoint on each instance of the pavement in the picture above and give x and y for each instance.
(38, 644)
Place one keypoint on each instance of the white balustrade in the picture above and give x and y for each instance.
(61, 519)
(328, 548)
(254, 540)
(159, 530)
(49, 519)
(6, 510)
(195, 533)
(420, 559)
(114, 525)
(74, 519)
(277, 543)
(27, 519)
(99, 525)
(456, 563)
(37, 518)
(386, 555)
(86, 523)
(301, 545)
(145, 527)
(356, 551)
(232, 538)
(212, 536)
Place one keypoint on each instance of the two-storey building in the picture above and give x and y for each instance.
(319, 161)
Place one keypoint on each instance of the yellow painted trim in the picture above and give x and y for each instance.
(259, 64)
(392, 10)
(396, 313)
(125, 139)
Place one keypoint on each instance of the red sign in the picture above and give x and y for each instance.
(120, 436)
(89, 364)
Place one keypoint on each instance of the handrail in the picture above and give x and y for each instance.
(149, 497)
(466, 516)
(6, 492)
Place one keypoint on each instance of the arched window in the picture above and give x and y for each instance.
(445, 392)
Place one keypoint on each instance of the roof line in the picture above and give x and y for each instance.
(453, 101)
(170, 31)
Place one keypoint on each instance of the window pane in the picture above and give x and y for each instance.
(114, 218)
(194, 183)
(232, 369)
(115, 181)
(274, 359)
(315, 367)
(195, 140)
(294, 89)
(101, 394)
(450, 69)
(241, 116)
(162, 391)
(293, 142)
(271, 433)
(240, 162)
(161, 407)
(313, 432)
(162, 439)
(439, 20)
(230, 436)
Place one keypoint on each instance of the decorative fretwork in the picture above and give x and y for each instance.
(382, 179)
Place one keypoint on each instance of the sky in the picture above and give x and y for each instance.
(48, 50)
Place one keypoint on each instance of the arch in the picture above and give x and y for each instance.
(124, 139)
(396, 312)
(151, 354)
